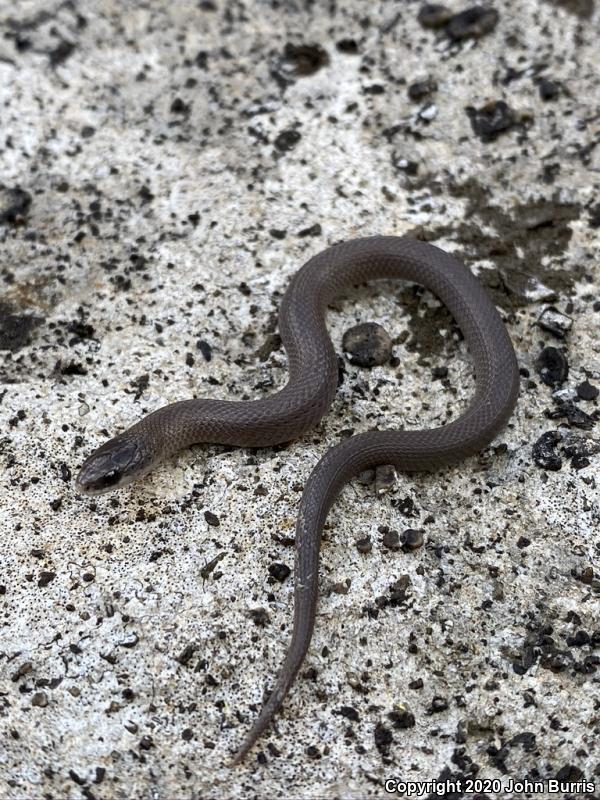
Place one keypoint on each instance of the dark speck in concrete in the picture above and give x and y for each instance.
(14, 205)
(490, 120)
(287, 140)
(474, 22)
(16, 330)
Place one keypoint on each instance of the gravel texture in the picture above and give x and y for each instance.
(165, 167)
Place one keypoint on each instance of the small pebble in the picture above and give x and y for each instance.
(413, 538)
(575, 416)
(587, 391)
(367, 345)
(341, 587)
(555, 322)
(552, 366)
(279, 571)
(299, 61)
(420, 89)
(402, 718)
(349, 712)
(312, 230)
(434, 15)
(383, 738)
(385, 478)
(287, 140)
(580, 639)
(212, 519)
(473, 23)
(544, 451)
(14, 205)
(437, 373)
(489, 121)
(205, 349)
(428, 112)
(364, 545)
(549, 90)
(391, 540)
(527, 287)
(568, 394)
(348, 46)
(40, 700)
(45, 578)
(438, 704)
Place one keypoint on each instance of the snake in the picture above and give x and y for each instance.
(302, 402)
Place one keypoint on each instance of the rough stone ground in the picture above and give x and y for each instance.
(165, 168)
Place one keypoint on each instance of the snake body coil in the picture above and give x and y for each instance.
(309, 393)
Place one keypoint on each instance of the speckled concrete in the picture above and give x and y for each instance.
(165, 168)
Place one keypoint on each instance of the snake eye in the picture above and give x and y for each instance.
(107, 481)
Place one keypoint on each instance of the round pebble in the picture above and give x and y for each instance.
(367, 344)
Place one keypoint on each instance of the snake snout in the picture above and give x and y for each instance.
(115, 464)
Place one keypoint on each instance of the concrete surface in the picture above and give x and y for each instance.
(165, 169)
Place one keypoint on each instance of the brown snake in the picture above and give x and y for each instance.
(313, 372)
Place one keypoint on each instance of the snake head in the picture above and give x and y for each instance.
(117, 463)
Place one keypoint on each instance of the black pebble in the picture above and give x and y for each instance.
(421, 89)
(15, 330)
(301, 60)
(391, 540)
(569, 774)
(61, 52)
(212, 519)
(489, 121)
(587, 391)
(205, 349)
(438, 704)
(287, 140)
(364, 545)
(383, 738)
(434, 15)
(313, 230)
(580, 639)
(367, 344)
(552, 366)
(549, 90)
(575, 416)
(349, 712)
(348, 46)
(14, 205)
(45, 578)
(413, 538)
(472, 23)
(544, 452)
(279, 571)
(402, 719)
